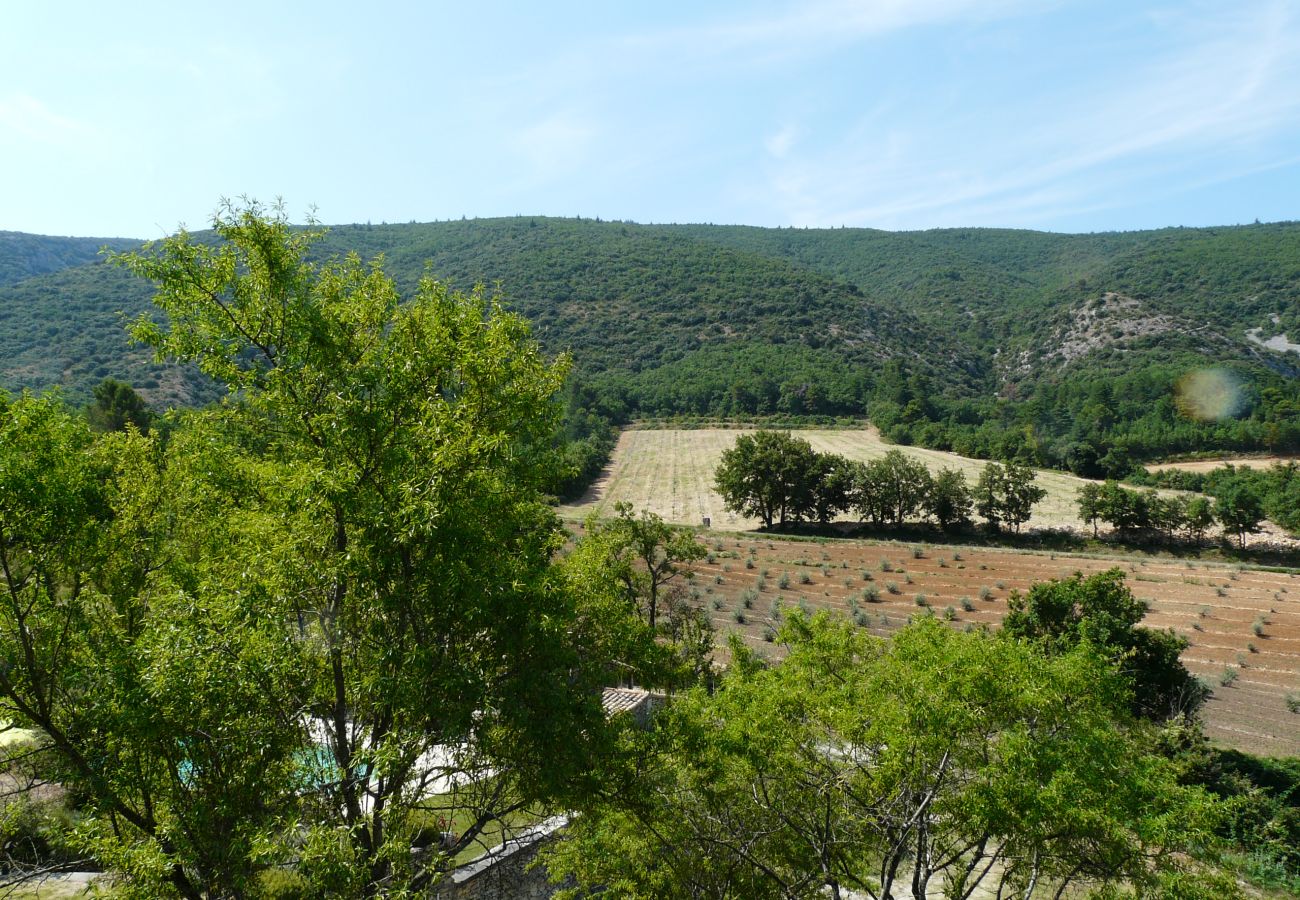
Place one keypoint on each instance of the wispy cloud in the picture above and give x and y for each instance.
(553, 146)
(1233, 85)
(778, 143)
(815, 26)
(31, 119)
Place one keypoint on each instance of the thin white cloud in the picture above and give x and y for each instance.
(554, 145)
(778, 143)
(34, 120)
(1235, 85)
(811, 26)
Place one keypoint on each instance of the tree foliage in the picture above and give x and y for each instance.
(771, 475)
(950, 500)
(645, 554)
(1101, 611)
(936, 761)
(165, 692)
(323, 613)
(1005, 495)
(1238, 506)
(116, 406)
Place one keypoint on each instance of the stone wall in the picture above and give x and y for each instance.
(502, 873)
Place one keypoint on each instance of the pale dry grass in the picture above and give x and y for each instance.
(1209, 465)
(670, 472)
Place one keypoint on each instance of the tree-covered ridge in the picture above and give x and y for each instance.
(624, 297)
(25, 255)
(67, 330)
(1235, 276)
(1050, 349)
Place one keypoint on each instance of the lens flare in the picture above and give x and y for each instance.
(1210, 395)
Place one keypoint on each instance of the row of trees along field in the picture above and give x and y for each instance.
(1099, 422)
(326, 638)
(1275, 489)
(780, 479)
(1236, 506)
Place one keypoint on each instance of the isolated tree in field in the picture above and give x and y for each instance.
(1005, 495)
(646, 555)
(950, 499)
(1238, 507)
(1102, 611)
(769, 474)
(938, 760)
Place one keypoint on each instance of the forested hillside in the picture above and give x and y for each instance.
(25, 255)
(1062, 350)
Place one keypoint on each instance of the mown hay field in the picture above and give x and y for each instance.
(1209, 465)
(670, 472)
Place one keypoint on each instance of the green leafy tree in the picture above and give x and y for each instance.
(988, 495)
(950, 499)
(769, 474)
(116, 406)
(1021, 495)
(835, 486)
(645, 554)
(398, 447)
(1200, 518)
(1005, 495)
(869, 497)
(1126, 511)
(901, 485)
(694, 638)
(935, 761)
(1238, 507)
(1089, 500)
(1169, 513)
(139, 640)
(1102, 611)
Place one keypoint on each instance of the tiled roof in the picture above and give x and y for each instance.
(617, 700)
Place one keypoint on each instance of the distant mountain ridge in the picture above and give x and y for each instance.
(27, 255)
(948, 330)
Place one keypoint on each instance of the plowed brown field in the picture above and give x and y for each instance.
(1243, 625)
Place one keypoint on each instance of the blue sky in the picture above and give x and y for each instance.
(130, 119)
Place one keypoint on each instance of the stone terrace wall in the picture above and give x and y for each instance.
(502, 873)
